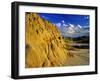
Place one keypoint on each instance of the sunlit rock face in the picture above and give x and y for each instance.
(44, 44)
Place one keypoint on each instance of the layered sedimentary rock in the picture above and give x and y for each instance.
(44, 44)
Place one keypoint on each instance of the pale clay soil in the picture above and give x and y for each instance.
(77, 57)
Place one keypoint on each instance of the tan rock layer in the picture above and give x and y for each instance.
(44, 44)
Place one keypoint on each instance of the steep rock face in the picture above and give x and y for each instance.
(44, 44)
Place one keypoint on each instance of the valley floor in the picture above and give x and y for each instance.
(77, 57)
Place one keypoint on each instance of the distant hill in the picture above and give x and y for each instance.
(82, 39)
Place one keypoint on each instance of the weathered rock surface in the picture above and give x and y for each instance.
(44, 44)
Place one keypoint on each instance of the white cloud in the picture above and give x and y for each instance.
(71, 30)
(61, 24)
(63, 21)
(45, 17)
(58, 24)
(86, 17)
(65, 24)
(79, 26)
(86, 26)
(71, 25)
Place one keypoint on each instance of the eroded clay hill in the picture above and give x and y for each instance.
(44, 44)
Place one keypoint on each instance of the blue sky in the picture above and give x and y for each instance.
(82, 20)
(68, 24)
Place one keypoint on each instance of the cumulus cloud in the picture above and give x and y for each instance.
(71, 30)
(79, 26)
(71, 25)
(63, 21)
(58, 24)
(45, 17)
(61, 24)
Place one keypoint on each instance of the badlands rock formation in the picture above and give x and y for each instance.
(44, 44)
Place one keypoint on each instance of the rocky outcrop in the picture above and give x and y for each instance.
(44, 44)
